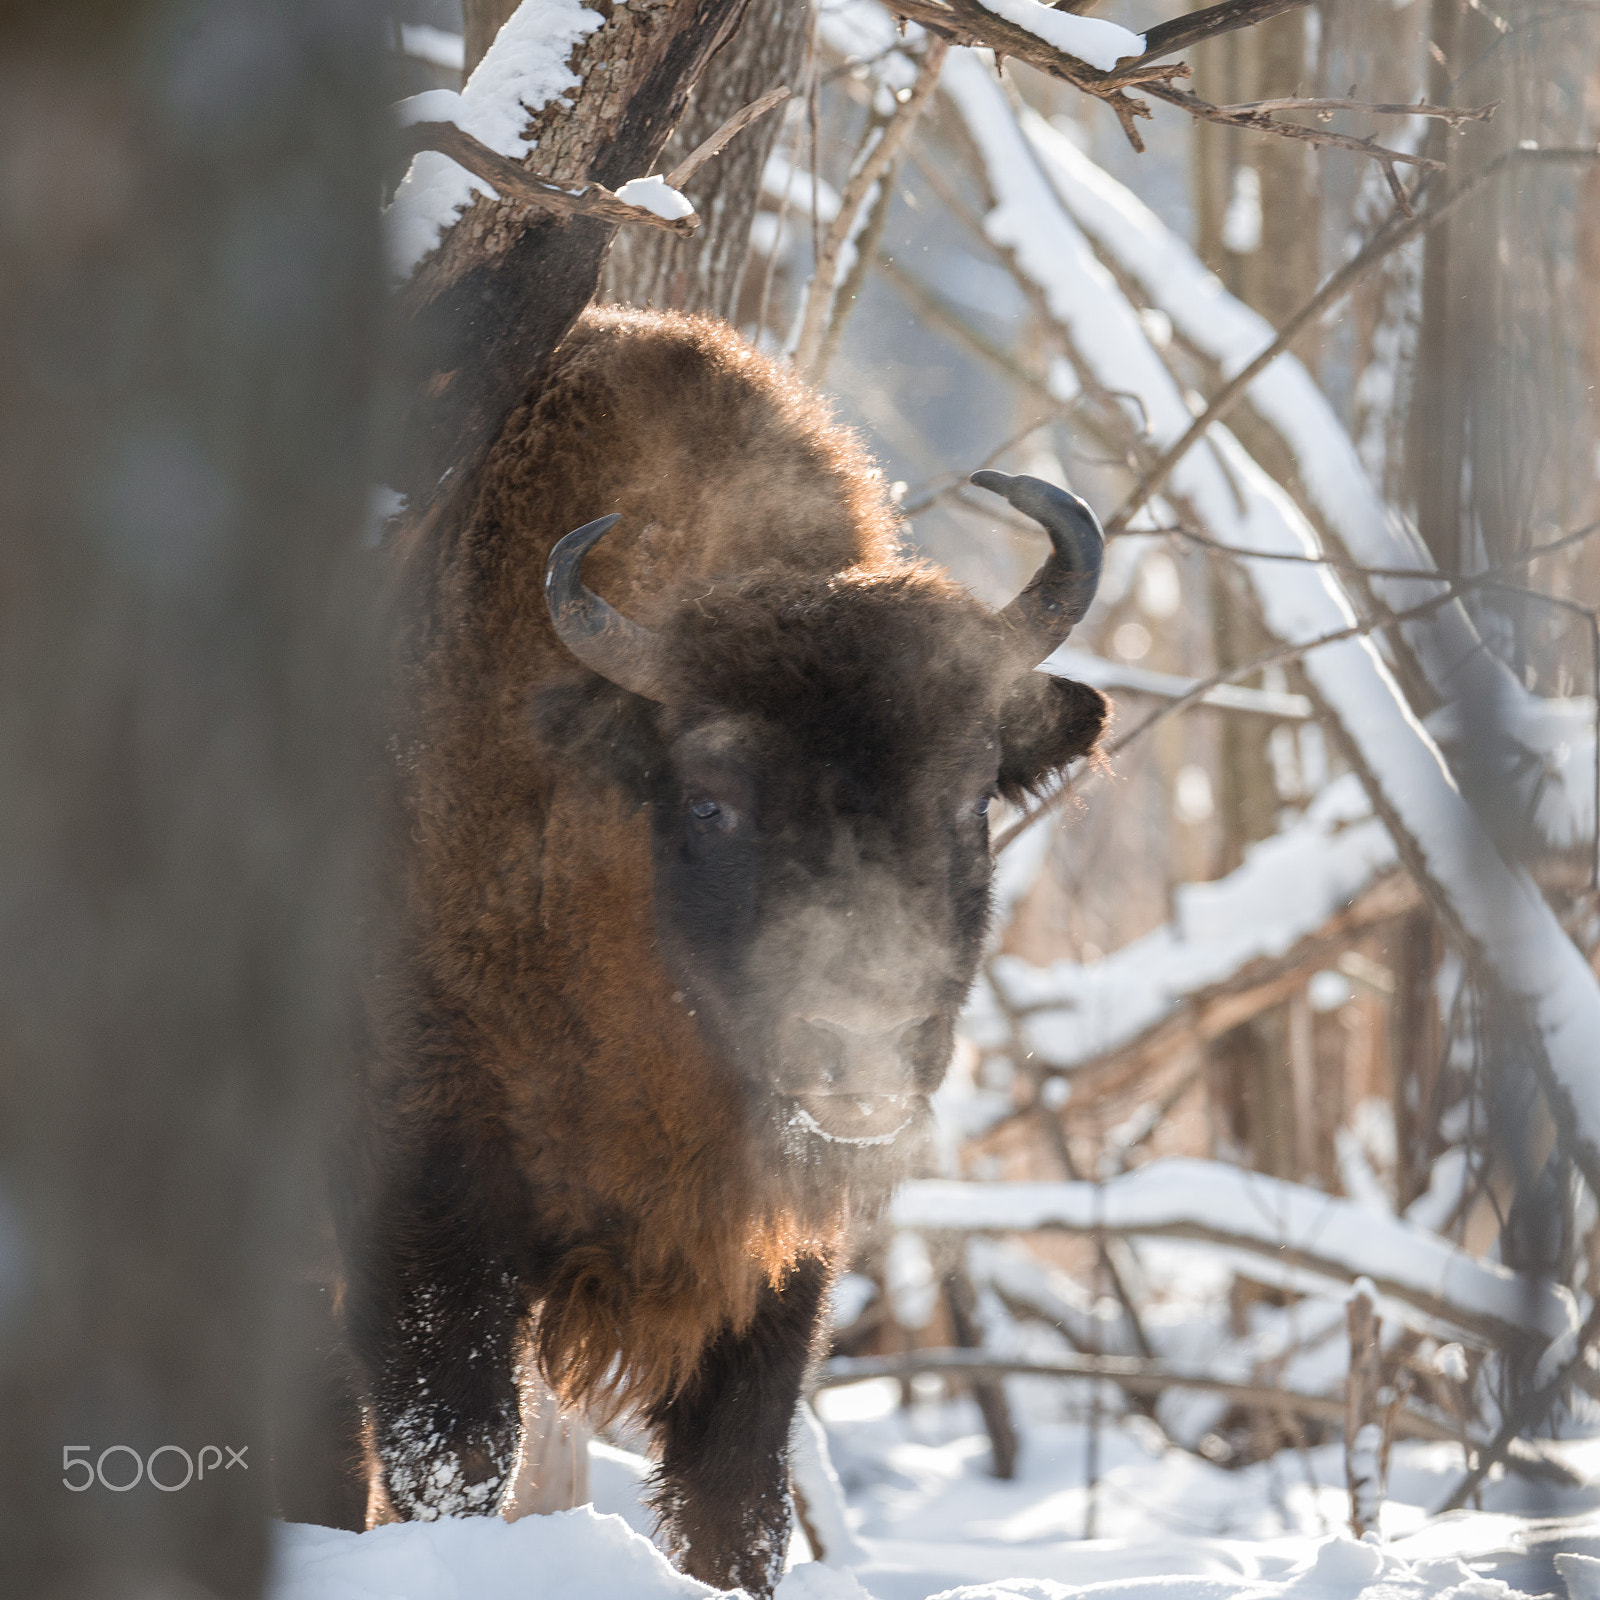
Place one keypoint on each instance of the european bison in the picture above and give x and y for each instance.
(687, 886)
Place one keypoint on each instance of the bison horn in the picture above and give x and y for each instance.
(595, 632)
(1063, 588)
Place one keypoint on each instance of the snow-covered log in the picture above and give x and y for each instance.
(1494, 908)
(1312, 1240)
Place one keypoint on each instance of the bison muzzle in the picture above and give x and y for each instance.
(689, 878)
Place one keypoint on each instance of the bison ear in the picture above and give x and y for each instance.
(614, 733)
(1045, 723)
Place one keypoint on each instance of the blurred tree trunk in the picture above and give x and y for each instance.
(190, 264)
(703, 273)
(1258, 206)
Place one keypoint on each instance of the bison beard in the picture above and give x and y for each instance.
(687, 885)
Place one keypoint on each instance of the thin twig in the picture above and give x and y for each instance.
(951, 481)
(1273, 657)
(1131, 1373)
(866, 242)
(1323, 138)
(871, 168)
(1454, 115)
(1426, 574)
(737, 123)
(512, 182)
(777, 232)
(1527, 1415)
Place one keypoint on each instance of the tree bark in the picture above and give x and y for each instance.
(481, 20)
(704, 273)
(486, 310)
(193, 289)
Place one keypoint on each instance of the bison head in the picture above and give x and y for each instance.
(818, 753)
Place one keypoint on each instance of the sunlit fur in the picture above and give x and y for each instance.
(546, 1110)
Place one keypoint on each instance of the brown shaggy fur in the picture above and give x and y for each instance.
(531, 1057)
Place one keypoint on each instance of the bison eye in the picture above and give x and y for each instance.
(981, 807)
(705, 810)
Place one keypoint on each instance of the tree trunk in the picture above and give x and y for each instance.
(193, 288)
(704, 273)
(486, 310)
(481, 20)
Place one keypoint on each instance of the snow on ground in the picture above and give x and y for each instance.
(931, 1522)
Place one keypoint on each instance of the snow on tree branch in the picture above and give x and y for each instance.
(1494, 908)
(650, 202)
(1420, 1277)
(1283, 893)
(1445, 645)
(524, 69)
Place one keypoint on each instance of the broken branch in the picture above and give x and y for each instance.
(737, 123)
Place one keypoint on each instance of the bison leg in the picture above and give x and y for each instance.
(723, 1485)
(437, 1320)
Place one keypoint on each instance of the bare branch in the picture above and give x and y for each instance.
(871, 168)
(1528, 1415)
(970, 22)
(1274, 657)
(1167, 38)
(511, 181)
(1256, 122)
(1454, 115)
(737, 123)
(1130, 1373)
(1384, 242)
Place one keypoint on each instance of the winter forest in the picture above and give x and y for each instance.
(1253, 1249)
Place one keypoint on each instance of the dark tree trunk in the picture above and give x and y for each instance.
(490, 305)
(192, 284)
(650, 268)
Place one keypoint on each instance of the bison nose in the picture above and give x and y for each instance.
(845, 1060)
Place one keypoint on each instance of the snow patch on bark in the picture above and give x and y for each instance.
(522, 72)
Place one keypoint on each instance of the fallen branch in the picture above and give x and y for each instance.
(511, 181)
